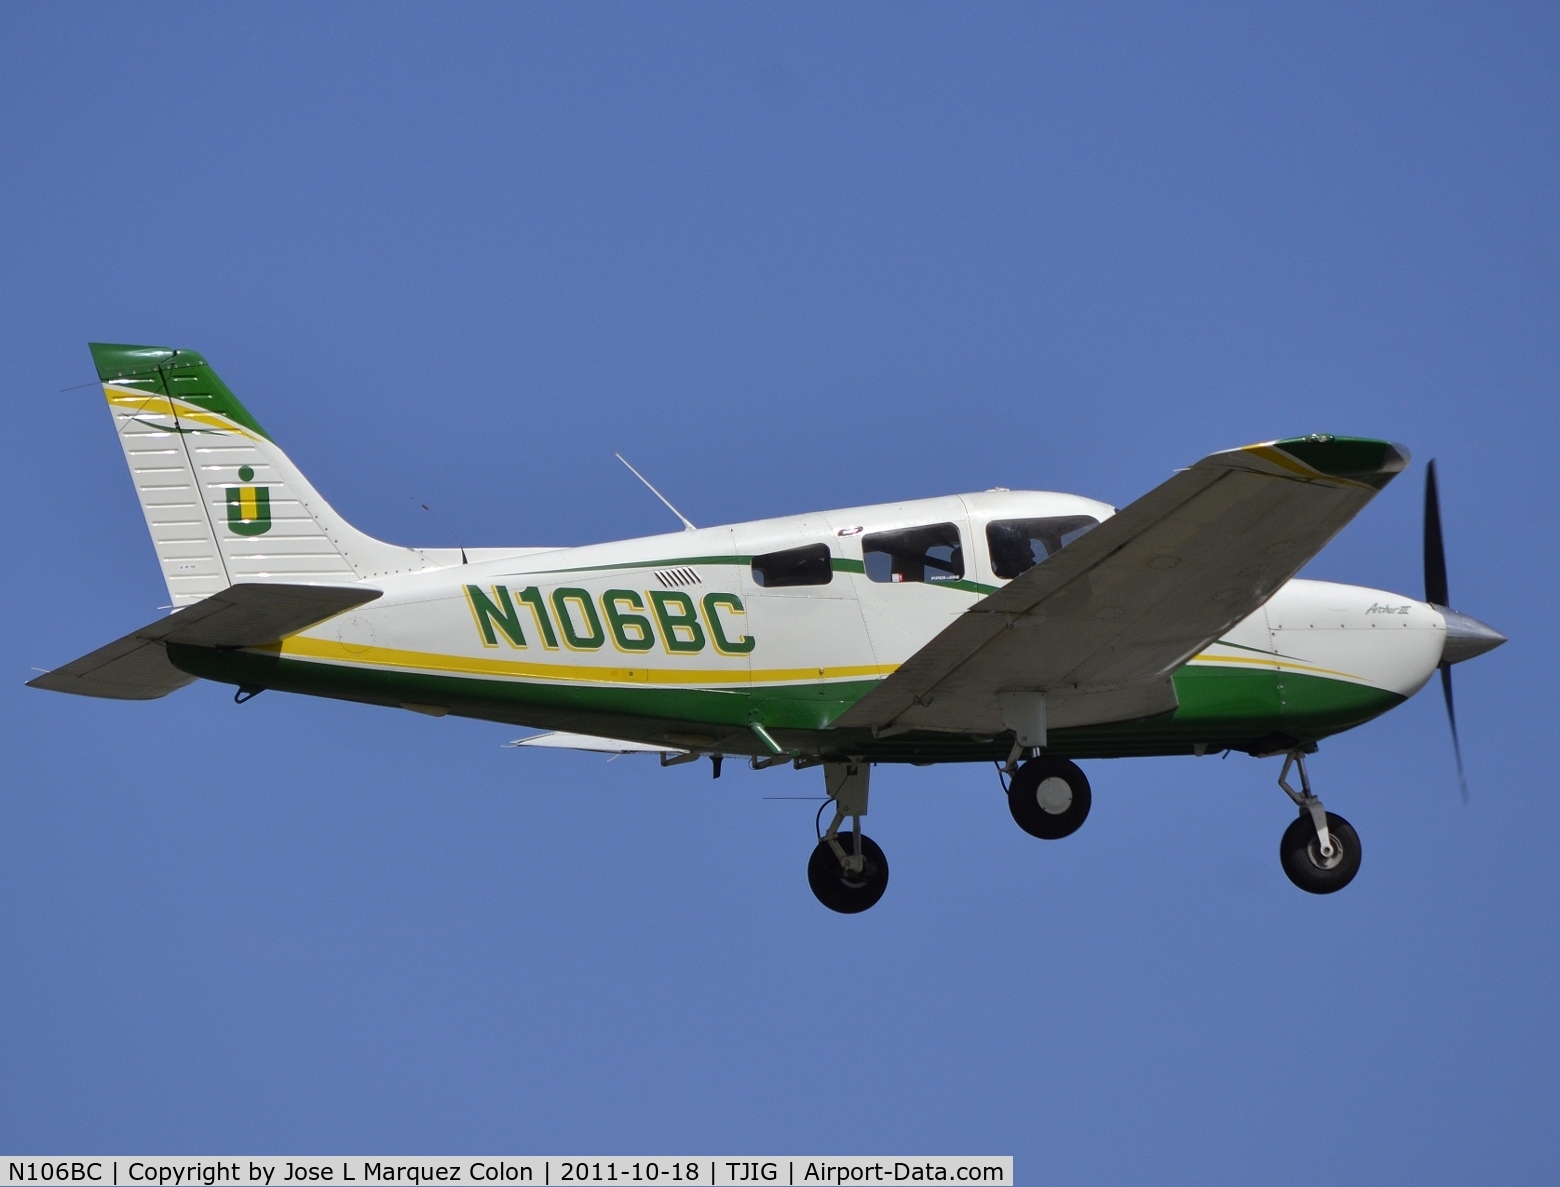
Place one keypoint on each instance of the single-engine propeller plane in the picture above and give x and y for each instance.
(1024, 628)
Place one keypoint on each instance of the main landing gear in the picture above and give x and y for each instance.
(1049, 797)
(1320, 850)
(848, 872)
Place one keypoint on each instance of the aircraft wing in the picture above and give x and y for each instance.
(137, 667)
(1100, 626)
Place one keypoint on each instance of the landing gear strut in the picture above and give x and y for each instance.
(847, 872)
(1320, 850)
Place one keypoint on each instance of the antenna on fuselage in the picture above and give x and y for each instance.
(687, 523)
(447, 527)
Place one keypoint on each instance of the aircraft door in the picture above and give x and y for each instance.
(916, 574)
(812, 658)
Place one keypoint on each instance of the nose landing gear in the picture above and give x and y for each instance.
(1320, 851)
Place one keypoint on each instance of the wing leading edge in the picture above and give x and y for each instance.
(1099, 628)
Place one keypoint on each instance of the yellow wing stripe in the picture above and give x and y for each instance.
(1294, 465)
(332, 651)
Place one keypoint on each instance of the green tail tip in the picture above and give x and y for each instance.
(184, 375)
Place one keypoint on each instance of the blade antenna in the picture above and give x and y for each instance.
(447, 527)
(686, 522)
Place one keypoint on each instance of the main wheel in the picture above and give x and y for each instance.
(1301, 853)
(1049, 797)
(844, 892)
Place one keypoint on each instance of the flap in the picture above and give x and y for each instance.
(558, 740)
(1120, 608)
(137, 668)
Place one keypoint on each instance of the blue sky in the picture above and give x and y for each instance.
(783, 258)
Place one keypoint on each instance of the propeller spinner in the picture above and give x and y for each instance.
(1465, 637)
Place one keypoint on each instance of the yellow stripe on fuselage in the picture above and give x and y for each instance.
(1209, 659)
(330, 651)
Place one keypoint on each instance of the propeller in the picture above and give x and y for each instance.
(1465, 637)
(1436, 594)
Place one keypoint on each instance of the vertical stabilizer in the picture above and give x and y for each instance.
(224, 504)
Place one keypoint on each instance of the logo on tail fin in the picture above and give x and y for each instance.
(248, 507)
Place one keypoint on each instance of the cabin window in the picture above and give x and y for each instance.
(932, 553)
(808, 565)
(1018, 545)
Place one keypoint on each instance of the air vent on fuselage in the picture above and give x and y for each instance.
(677, 578)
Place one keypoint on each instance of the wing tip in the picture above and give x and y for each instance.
(1366, 460)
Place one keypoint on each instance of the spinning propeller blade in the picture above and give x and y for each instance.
(1437, 595)
(1466, 637)
(1435, 550)
(1451, 717)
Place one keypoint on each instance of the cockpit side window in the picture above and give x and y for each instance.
(932, 553)
(1018, 545)
(808, 565)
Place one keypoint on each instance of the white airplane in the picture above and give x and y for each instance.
(1024, 628)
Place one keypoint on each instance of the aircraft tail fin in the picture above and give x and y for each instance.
(223, 503)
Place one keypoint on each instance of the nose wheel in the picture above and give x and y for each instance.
(1320, 850)
(1305, 863)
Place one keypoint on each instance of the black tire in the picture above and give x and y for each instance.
(1045, 809)
(1301, 853)
(842, 892)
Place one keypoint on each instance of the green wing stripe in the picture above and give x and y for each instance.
(1362, 459)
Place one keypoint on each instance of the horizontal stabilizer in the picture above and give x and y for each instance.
(128, 669)
(563, 741)
(137, 668)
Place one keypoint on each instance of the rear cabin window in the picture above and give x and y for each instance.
(932, 553)
(808, 565)
(1018, 545)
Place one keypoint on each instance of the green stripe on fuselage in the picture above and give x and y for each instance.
(839, 564)
(1220, 708)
